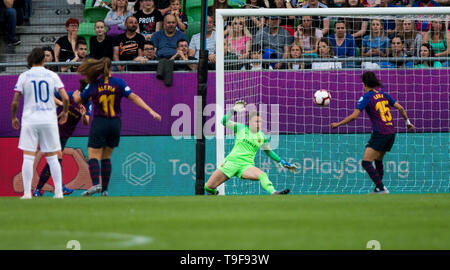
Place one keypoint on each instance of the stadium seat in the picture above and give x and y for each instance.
(95, 14)
(87, 30)
(194, 27)
(195, 13)
(332, 23)
(196, 4)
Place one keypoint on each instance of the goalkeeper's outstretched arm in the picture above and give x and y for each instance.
(226, 118)
(270, 153)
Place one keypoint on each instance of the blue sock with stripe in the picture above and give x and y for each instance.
(380, 168)
(367, 165)
(94, 171)
(106, 173)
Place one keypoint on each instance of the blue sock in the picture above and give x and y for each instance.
(94, 170)
(367, 165)
(106, 173)
(380, 168)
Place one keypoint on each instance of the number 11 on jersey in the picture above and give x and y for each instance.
(107, 102)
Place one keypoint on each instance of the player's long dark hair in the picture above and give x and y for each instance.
(93, 68)
(370, 79)
(83, 84)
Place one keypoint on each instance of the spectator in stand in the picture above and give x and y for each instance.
(228, 55)
(149, 19)
(49, 58)
(343, 44)
(166, 39)
(308, 35)
(376, 44)
(287, 22)
(194, 45)
(80, 56)
(221, 4)
(182, 54)
(401, 3)
(424, 26)
(398, 51)
(256, 53)
(276, 38)
(254, 23)
(149, 55)
(412, 39)
(369, 3)
(439, 39)
(427, 51)
(295, 52)
(27, 11)
(101, 45)
(136, 6)
(182, 19)
(333, 3)
(129, 45)
(217, 4)
(389, 25)
(65, 45)
(163, 6)
(357, 27)
(239, 39)
(320, 22)
(10, 15)
(115, 18)
(325, 50)
(256, 4)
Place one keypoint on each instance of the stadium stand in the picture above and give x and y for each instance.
(46, 25)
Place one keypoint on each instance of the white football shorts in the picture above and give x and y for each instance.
(47, 135)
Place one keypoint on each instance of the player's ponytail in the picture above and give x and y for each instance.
(370, 79)
(93, 68)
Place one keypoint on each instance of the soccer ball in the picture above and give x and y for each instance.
(322, 98)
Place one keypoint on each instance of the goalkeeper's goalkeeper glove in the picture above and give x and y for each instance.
(239, 106)
(288, 166)
(284, 163)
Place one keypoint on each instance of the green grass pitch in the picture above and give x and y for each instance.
(293, 222)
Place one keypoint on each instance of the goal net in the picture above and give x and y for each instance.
(275, 59)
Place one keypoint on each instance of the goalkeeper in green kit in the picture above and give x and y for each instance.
(240, 162)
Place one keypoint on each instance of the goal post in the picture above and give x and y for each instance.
(329, 160)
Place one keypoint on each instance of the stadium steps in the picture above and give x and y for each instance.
(47, 24)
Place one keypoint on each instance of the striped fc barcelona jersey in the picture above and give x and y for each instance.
(377, 105)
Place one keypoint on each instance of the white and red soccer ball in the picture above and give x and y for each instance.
(322, 98)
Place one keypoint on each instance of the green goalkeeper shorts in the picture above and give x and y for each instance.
(233, 168)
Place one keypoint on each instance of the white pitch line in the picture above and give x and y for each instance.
(123, 240)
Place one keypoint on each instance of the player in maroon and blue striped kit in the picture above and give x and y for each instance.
(77, 112)
(376, 103)
(105, 94)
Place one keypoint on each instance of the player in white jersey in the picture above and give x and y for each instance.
(39, 119)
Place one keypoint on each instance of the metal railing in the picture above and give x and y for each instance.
(245, 61)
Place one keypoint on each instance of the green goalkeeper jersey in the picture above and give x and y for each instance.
(247, 143)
